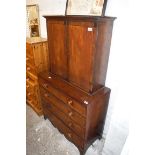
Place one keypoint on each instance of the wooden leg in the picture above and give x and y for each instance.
(82, 152)
(45, 117)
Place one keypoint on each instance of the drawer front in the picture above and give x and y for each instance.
(29, 96)
(63, 97)
(73, 115)
(30, 69)
(64, 129)
(64, 118)
(31, 79)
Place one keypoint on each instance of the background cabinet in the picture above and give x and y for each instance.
(36, 62)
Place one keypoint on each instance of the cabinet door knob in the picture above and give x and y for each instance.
(70, 102)
(70, 114)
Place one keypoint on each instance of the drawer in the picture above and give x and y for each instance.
(31, 79)
(30, 69)
(29, 96)
(64, 118)
(75, 105)
(64, 129)
(73, 115)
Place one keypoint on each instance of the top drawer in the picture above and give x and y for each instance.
(72, 103)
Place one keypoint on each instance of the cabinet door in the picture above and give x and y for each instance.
(81, 43)
(57, 50)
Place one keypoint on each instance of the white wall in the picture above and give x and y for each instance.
(116, 127)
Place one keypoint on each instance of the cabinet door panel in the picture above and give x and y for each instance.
(81, 47)
(57, 50)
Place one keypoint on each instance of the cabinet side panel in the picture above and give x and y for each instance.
(101, 58)
(96, 114)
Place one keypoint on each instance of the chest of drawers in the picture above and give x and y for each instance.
(78, 115)
(73, 92)
(36, 62)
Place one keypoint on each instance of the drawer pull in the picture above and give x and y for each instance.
(69, 135)
(29, 94)
(46, 95)
(28, 68)
(70, 124)
(45, 85)
(85, 102)
(70, 102)
(49, 77)
(70, 114)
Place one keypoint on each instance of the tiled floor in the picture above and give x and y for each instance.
(44, 139)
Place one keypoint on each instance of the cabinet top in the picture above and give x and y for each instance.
(79, 17)
(35, 40)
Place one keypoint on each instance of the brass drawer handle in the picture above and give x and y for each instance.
(28, 68)
(70, 114)
(69, 135)
(46, 95)
(28, 94)
(70, 102)
(45, 85)
(70, 124)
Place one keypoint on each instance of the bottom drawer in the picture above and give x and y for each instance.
(65, 130)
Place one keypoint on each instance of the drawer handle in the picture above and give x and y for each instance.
(70, 102)
(69, 135)
(45, 85)
(49, 77)
(29, 94)
(46, 95)
(70, 124)
(70, 114)
(28, 68)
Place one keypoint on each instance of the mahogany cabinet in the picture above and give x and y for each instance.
(79, 49)
(36, 62)
(73, 92)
